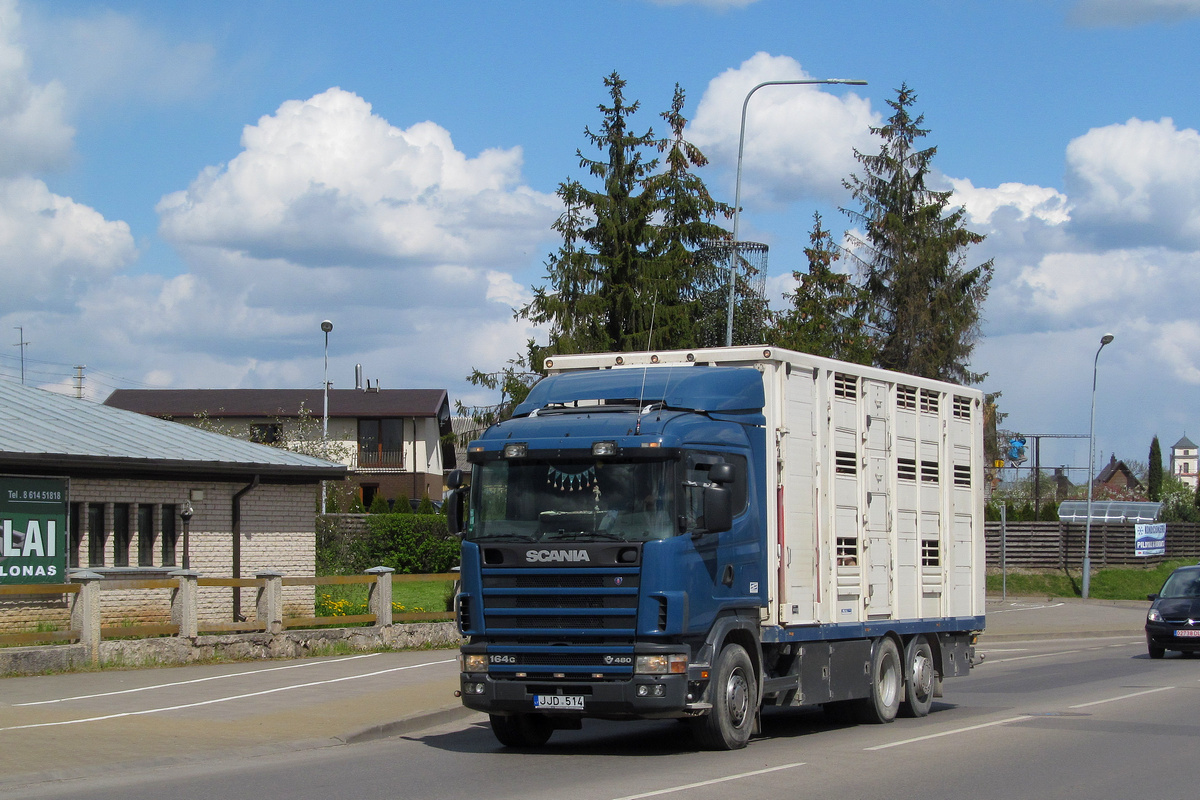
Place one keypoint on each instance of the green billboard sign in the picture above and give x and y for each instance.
(33, 545)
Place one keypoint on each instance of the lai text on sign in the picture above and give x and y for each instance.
(33, 545)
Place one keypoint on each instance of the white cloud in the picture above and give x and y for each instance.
(324, 181)
(1178, 344)
(52, 248)
(1127, 13)
(1047, 205)
(799, 139)
(33, 133)
(1137, 181)
(108, 56)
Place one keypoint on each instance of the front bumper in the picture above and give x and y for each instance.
(660, 696)
(1162, 634)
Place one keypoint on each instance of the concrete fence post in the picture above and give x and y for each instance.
(185, 605)
(85, 611)
(269, 606)
(379, 598)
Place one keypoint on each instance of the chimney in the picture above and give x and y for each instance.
(358, 377)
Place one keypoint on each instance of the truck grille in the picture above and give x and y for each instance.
(560, 622)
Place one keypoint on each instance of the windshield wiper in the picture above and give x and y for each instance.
(503, 537)
(612, 537)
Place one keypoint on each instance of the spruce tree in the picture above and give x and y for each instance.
(820, 319)
(627, 275)
(921, 297)
(596, 280)
(1154, 472)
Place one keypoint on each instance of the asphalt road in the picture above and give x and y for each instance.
(1066, 703)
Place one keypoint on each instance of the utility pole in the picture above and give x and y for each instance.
(21, 344)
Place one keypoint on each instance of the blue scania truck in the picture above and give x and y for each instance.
(699, 534)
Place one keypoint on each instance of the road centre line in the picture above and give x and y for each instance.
(698, 784)
(224, 699)
(196, 680)
(950, 733)
(1122, 697)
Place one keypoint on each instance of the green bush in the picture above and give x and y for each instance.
(379, 505)
(408, 543)
(426, 506)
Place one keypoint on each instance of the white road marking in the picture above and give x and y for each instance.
(223, 699)
(686, 786)
(950, 733)
(1122, 697)
(196, 680)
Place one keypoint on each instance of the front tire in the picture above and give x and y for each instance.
(887, 678)
(522, 730)
(920, 678)
(734, 692)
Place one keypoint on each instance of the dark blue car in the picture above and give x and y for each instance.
(1173, 622)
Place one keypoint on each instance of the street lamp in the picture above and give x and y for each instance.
(1087, 538)
(185, 514)
(326, 326)
(737, 190)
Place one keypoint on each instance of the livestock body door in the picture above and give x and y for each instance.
(878, 526)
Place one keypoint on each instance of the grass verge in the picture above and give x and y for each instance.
(1130, 583)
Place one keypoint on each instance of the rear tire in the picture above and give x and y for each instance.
(887, 679)
(734, 692)
(920, 678)
(522, 730)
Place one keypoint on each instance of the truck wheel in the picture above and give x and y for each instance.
(887, 677)
(522, 730)
(734, 692)
(920, 678)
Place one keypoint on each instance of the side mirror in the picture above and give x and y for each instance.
(454, 504)
(721, 473)
(1151, 597)
(455, 479)
(718, 509)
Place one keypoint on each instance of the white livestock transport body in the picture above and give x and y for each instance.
(877, 490)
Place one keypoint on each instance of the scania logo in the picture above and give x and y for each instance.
(534, 556)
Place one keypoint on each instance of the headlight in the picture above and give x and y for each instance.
(473, 663)
(1154, 616)
(672, 664)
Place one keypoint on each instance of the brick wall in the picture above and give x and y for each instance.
(277, 534)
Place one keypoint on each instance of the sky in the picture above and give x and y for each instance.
(188, 189)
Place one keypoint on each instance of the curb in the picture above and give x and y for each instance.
(416, 722)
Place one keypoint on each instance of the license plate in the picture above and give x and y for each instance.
(565, 702)
(1193, 632)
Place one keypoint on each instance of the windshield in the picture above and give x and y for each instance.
(571, 501)
(1184, 583)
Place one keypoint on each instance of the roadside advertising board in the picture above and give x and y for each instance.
(33, 545)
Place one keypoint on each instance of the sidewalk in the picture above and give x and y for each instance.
(1057, 617)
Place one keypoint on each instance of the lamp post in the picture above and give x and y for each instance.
(326, 326)
(185, 514)
(1087, 538)
(737, 190)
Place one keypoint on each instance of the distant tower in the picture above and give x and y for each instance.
(1185, 461)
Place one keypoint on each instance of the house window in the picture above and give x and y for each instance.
(120, 534)
(381, 442)
(96, 534)
(170, 535)
(145, 525)
(265, 433)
